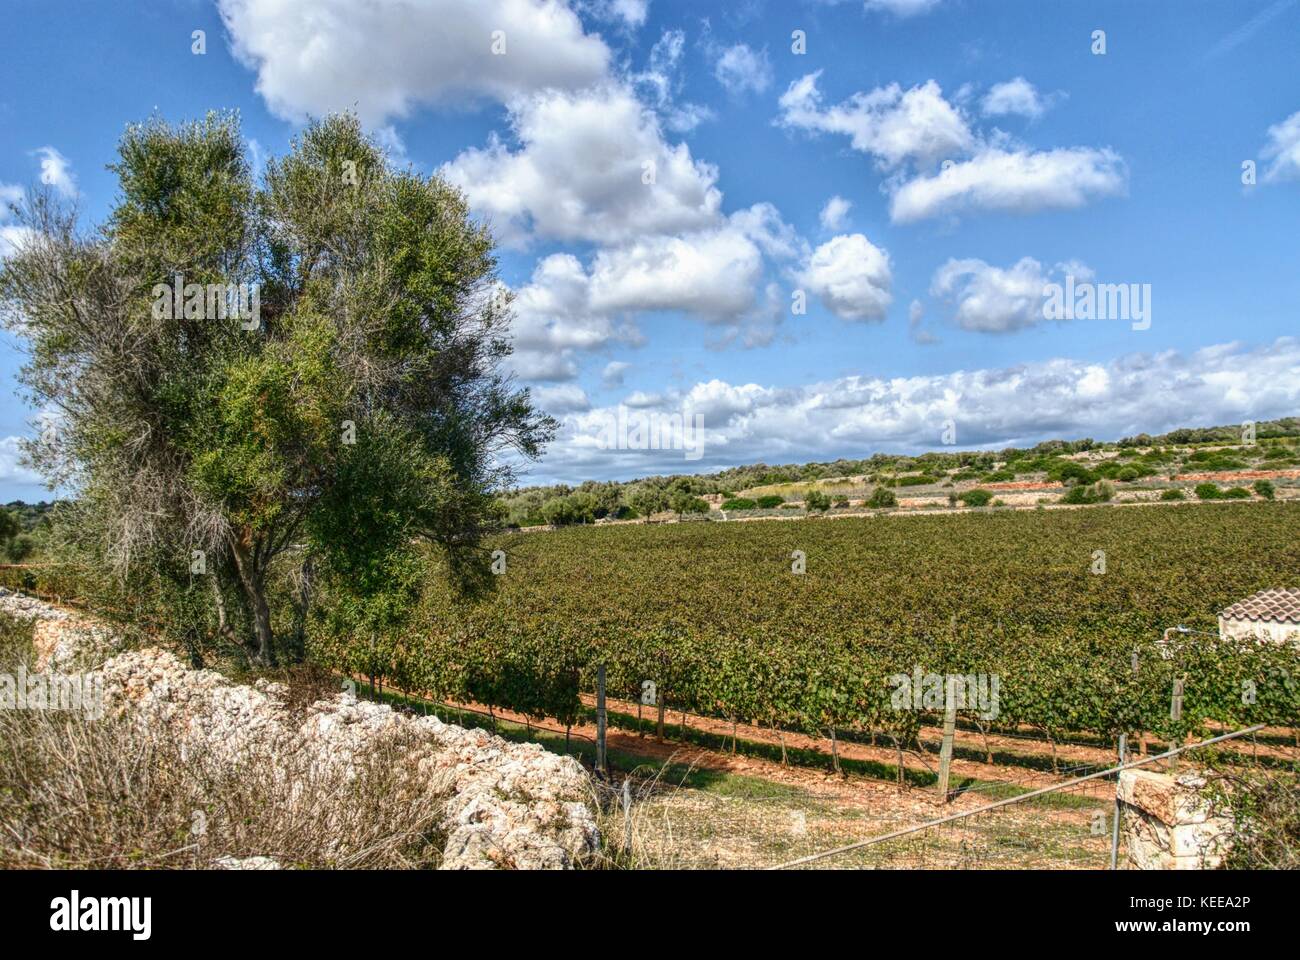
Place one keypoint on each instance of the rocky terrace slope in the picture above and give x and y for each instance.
(510, 805)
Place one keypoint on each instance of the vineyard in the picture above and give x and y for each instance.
(1052, 605)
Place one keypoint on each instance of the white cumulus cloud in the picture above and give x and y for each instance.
(1012, 181)
(1283, 150)
(892, 124)
(992, 407)
(740, 68)
(385, 59)
(580, 172)
(992, 299)
(835, 213)
(1017, 96)
(852, 277)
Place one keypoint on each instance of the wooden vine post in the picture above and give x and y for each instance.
(949, 731)
(601, 765)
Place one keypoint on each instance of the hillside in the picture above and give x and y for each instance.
(1143, 466)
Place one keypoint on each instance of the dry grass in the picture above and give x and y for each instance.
(681, 817)
(80, 792)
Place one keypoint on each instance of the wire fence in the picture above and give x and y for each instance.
(1064, 823)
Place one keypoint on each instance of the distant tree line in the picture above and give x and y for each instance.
(562, 504)
(1232, 433)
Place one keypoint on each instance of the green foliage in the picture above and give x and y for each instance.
(817, 501)
(362, 410)
(648, 500)
(1285, 427)
(1208, 491)
(1236, 493)
(976, 497)
(1265, 489)
(1099, 492)
(575, 508)
(714, 616)
(685, 503)
(770, 501)
(740, 503)
(882, 497)
(1078, 495)
(9, 525)
(1068, 470)
(1173, 493)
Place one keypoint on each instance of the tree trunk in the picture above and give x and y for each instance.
(224, 629)
(301, 608)
(253, 579)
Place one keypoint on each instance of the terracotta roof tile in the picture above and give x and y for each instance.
(1279, 606)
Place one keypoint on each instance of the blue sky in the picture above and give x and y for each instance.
(978, 151)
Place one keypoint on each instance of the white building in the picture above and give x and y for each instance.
(1270, 615)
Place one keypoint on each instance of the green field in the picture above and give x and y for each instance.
(716, 618)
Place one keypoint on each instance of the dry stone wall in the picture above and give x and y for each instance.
(507, 804)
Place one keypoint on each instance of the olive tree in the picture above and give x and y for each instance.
(304, 364)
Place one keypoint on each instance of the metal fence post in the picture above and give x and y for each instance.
(1114, 830)
(1176, 714)
(601, 767)
(627, 816)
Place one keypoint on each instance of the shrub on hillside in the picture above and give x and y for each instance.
(685, 503)
(976, 498)
(739, 503)
(1236, 493)
(1069, 470)
(882, 497)
(1173, 494)
(816, 500)
(1099, 492)
(770, 502)
(1077, 495)
(1265, 489)
(1208, 491)
(573, 509)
